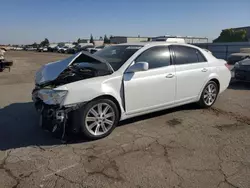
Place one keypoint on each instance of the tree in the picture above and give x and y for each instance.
(79, 41)
(45, 42)
(91, 39)
(231, 35)
(100, 38)
(106, 40)
(34, 45)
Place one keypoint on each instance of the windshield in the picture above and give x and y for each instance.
(70, 58)
(117, 55)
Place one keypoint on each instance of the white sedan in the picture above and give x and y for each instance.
(91, 93)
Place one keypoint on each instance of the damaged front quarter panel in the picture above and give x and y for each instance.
(59, 84)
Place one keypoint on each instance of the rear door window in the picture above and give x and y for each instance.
(200, 56)
(187, 55)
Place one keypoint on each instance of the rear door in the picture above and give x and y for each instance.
(191, 72)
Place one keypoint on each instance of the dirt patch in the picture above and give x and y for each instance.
(174, 122)
(231, 115)
(233, 126)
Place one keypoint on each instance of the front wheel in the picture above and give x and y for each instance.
(98, 118)
(209, 95)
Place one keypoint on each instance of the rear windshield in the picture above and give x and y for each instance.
(234, 58)
(117, 55)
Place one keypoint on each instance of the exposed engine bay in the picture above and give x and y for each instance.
(79, 71)
(78, 67)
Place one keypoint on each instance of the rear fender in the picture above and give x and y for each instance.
(211, 77)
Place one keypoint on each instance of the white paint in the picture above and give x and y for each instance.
(190, 80)
(150, 90)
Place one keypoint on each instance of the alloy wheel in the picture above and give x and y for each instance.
(100, 119)
(210, 94)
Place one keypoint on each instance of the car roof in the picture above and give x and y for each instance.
(153, 43)
(240, 54)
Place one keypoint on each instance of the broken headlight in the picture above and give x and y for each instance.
(237, 65)
(49, 96)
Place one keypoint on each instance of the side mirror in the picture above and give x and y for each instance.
(140, 66)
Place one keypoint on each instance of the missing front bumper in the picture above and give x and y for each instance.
(58, 120)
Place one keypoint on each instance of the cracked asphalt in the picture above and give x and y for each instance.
(184, 147)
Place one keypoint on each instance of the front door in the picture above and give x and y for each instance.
(154, 88)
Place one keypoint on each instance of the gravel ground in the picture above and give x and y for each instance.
(183, 147)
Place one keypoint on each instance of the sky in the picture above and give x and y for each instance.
(29, 21)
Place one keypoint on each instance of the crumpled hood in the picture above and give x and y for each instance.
(51, 71)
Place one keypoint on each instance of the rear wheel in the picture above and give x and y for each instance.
(98, 118)
(209, 95)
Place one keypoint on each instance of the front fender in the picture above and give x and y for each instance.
(87, 90)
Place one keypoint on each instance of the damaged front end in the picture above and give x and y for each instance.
(48, 98)
(53, 116)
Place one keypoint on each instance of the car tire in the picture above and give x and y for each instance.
(89, 127)
(209, 95)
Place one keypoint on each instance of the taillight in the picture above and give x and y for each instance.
(227, 66)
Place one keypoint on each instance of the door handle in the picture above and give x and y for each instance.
(204, 70)
(170, 75)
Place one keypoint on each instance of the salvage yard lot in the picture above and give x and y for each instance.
(182, 147)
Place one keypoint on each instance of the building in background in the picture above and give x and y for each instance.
(98, 42)
(127, 39)
(83, 41)
(188, 39)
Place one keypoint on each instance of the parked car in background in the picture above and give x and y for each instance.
(72, 50)
(80, 47)
(4, 64)
(85, 47)
(63, 49)
(242, 70)
(3, 49)
(95, 91)
(98, 48)
(51, 47)
(2, 52)
(30, 48)
(57, 47)
(18, 48)
(236, 57)
(42, 49)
